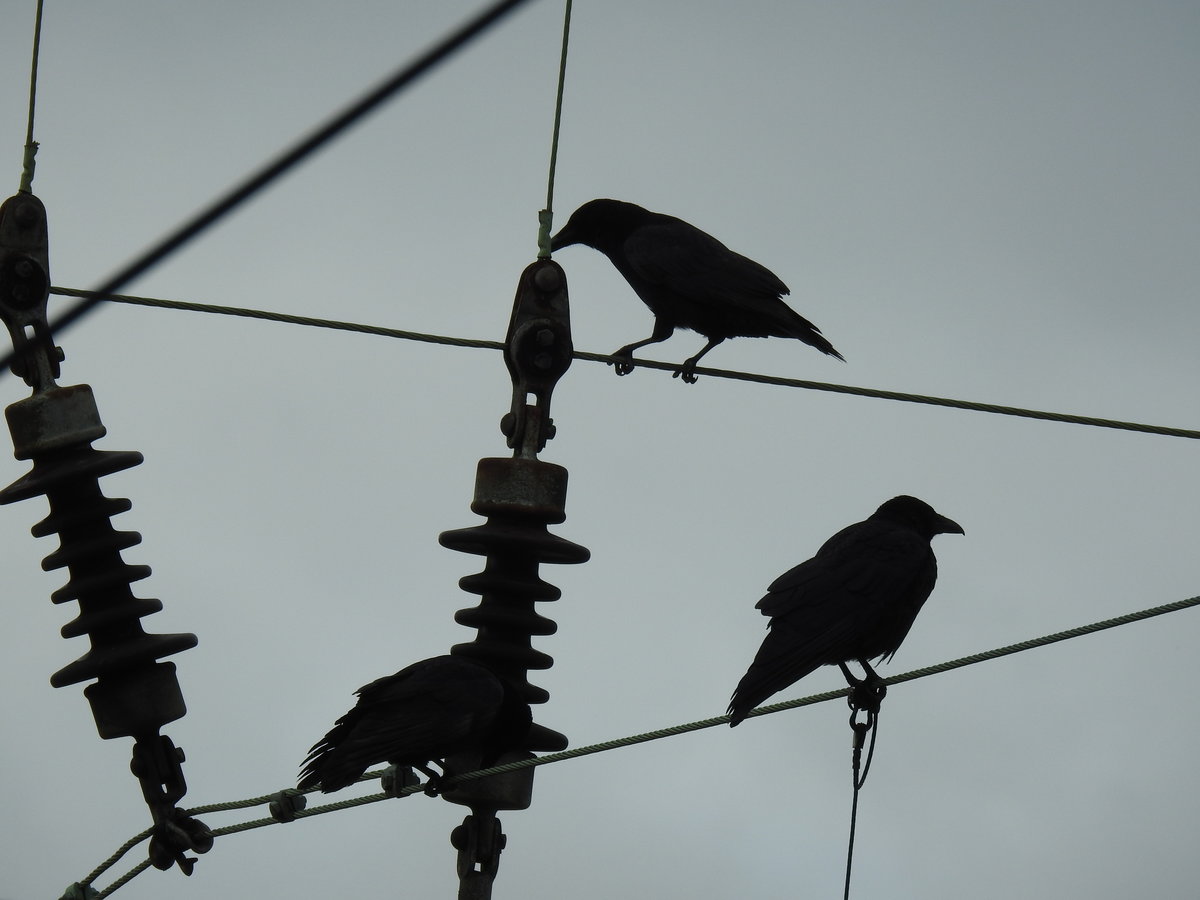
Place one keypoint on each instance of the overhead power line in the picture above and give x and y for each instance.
(993, 408)
(618, 743)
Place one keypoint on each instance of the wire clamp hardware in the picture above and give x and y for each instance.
(285, 804)
(479, 842)
(864, 698)
(25, 290)
(157, 765)
(537, 351)
(396, 778)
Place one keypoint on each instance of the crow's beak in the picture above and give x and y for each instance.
(562, 239)
(948, 526)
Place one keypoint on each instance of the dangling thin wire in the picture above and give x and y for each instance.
(546, 216)
(850, 846)
(864, 697)
(30, 144)
(860, 731)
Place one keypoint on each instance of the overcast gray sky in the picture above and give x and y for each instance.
(993, 201)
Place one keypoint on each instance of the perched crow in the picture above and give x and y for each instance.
(856, 599)
(688, 278)
(424, 713)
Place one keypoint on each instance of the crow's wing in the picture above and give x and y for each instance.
(427, 711)
(671, 254)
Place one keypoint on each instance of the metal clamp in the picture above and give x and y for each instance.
(537, 351)
(25, 290)
(479, 842)
(157, 764)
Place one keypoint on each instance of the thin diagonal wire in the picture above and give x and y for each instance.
(878, 393)
(283, 163)
(671, 731)
(285, 318)
(117, 854)
(994, 408)
(124, 879)
(27, 165)
(547, 217)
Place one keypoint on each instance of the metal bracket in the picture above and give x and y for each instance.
(537, 352)
(25, 290)
(478, 841)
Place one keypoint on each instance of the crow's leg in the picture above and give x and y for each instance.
(662, 330)
(688, 369)
(433, 787)
(850, 679)
(872, 677)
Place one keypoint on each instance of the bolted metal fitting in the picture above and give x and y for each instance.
(25, 289)
(538, 351)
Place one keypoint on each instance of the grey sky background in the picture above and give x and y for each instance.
(993, 201)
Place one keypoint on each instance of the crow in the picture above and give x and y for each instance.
(856, 599)
(688, 278)
(430, 710)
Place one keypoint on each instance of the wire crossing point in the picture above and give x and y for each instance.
(285, 162)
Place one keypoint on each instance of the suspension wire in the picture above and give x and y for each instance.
(546, 216)
(31, 146)
(281, 164)
(753, 378)
(671, 731)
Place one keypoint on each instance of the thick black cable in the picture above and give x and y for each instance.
(284, 162)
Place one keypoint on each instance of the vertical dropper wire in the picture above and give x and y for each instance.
(30, 144)
(546, 217)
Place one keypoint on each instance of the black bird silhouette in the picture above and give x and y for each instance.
(430, 710)
(856, 599)
(688, 278)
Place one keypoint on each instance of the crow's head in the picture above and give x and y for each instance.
(601, 224)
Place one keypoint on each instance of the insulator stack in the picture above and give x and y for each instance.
(135, 694)
(519, 497)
